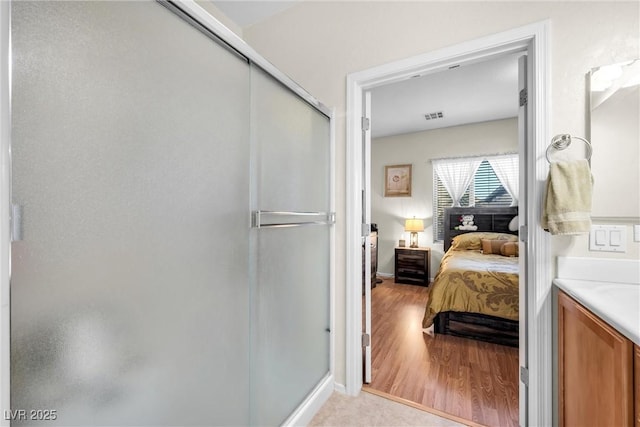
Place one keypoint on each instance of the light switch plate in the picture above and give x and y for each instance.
(608, 238)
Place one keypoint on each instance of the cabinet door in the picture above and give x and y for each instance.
(595, 369)
(636, 368)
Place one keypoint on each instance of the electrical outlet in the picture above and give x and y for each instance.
(636, 233)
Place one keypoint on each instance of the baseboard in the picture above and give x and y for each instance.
(303, 415)
(340, 388)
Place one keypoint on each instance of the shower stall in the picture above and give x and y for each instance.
(172, 222)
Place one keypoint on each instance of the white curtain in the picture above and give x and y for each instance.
(506, 169)
(456, 175)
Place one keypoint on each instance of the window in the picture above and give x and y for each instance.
(486, 189)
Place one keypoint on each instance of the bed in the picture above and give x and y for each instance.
(475, 293)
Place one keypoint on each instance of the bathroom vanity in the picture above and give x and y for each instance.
(598, 342)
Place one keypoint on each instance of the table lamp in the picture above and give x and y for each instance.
(413, 225)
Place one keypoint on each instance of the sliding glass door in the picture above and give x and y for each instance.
(172, 265)
(171, 257)
(291, 243)
(130, 286)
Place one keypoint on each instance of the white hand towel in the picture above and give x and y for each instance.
(567, 204)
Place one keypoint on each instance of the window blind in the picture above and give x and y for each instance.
(485, 190)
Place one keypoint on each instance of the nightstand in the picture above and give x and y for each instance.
(413, 265)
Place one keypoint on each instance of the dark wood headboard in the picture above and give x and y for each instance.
(487, 219)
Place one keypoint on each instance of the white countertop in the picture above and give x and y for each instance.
(618, 304)
(610, 288)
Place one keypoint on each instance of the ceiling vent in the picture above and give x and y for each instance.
(433, 116)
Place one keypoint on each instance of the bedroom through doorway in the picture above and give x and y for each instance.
(466, 113)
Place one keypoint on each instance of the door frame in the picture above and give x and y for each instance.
(5, 203)
(534, 39)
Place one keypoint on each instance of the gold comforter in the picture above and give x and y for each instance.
(469, 281)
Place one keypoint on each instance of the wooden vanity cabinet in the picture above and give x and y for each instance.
(636, 387)
(595, 368)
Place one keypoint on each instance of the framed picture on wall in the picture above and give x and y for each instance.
(397, 181)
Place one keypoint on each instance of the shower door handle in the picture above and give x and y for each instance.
(274, 219)
(16, 222)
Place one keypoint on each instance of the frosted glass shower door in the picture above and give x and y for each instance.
(130, 298)
(291, 248)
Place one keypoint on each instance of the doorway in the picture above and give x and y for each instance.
(535, 333)
(477, 121)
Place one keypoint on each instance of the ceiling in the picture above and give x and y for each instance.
(248, 12)
(471, 93)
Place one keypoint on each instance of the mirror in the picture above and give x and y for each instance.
(615, 136)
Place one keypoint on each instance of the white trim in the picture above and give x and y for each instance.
(353, 244)
(524, 117)
(303, 415)
(366, 176)
(5, 204)
(477, 156)
(539, 277)
(332, 243)
(534, 39)
(340, 388)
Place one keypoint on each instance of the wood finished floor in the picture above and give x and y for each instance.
(469, 379)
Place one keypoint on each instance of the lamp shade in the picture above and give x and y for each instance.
(414, 225)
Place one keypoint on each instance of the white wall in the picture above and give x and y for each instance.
(318, 43)
(418, 149)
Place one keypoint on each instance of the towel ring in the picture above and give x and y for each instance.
(562, 141)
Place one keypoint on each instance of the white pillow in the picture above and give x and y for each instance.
(513, 224)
